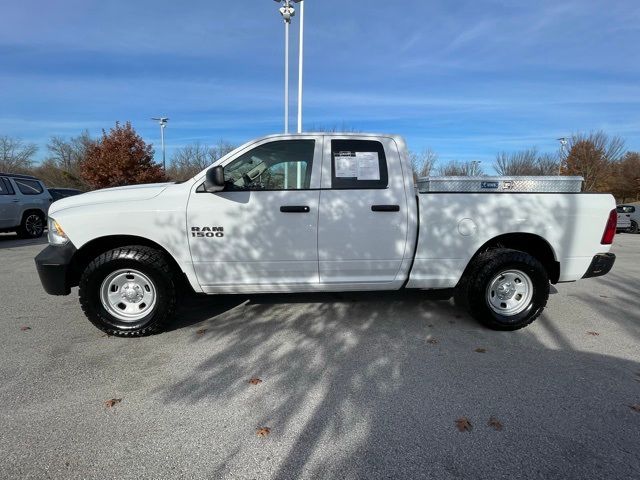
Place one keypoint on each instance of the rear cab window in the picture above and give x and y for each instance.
(358, 164)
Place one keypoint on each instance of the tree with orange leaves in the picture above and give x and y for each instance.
(120, 157)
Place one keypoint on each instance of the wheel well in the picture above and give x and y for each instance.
(532, 244)
(33, 210)
(92, 249)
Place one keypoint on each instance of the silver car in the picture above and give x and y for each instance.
(24, 202)
(632, 212)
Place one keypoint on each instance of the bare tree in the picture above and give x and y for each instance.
(422, 163)
(455, 168)
(15, 155)
(548, 164)
(344, 128)
(191, 159)
(69, 154)
(592, 157)
(526, 162)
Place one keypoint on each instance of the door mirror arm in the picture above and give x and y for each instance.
(214, 180)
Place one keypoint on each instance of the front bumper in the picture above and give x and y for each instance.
(600, 265)
(53, 265)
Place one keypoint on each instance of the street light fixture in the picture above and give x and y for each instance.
(563, 147)
(163, 123)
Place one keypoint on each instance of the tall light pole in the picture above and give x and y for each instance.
(163, 123)
(300, 64)
(287, 12)
(563, 147)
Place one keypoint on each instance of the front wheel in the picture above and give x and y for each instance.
(634, 227)
(508, 290)
(128, 291)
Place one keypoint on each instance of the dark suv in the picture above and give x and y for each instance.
(24, 202)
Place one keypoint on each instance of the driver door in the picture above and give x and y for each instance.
(260, 234)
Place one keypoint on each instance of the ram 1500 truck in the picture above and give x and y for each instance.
(317, 213)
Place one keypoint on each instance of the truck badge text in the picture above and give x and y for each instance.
(208, 232)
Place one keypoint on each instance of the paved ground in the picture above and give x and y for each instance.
(354, 386)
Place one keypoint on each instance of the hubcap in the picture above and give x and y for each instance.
(128, 295)
(34, 225)
(510, 292)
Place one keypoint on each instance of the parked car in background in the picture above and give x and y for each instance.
(624, 220)
(24, 203)
(59, 193)
(633, 213)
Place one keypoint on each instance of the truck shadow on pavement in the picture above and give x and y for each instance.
(369, 385)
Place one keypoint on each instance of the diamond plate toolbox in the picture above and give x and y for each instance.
(529, 184)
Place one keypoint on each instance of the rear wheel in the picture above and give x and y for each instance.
(634, 227)
(32, 225)
(508, 289)
(128, 291)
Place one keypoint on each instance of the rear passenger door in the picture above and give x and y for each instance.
(9, 204)
(363, 217)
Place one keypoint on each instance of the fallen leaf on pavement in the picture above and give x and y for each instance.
(463, 424)
(201, 332)
(255, 381)
(263, 432)
(593, 334)
(24, 328)
(635, 406)
(495, 423)
(604, 296)
(480, 350)
(432, 341)
(112, 403)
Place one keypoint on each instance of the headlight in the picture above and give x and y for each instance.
(56, 235)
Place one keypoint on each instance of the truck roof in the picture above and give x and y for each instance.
(328, 134)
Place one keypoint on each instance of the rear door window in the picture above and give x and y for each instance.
(358, 164)
(28, 187)
(5, 187)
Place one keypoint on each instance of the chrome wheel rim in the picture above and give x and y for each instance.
(129, 295)
(34, 225)
(510, 292)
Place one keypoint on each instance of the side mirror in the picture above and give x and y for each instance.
(214, 181)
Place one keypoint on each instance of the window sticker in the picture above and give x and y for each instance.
(368, 166)
(346, 165)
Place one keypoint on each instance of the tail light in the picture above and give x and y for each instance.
(610, 229)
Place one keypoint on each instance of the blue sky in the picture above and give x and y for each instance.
(466, 78)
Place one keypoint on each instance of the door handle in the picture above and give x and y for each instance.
(385, 208)
(294, 209)
(15, 200)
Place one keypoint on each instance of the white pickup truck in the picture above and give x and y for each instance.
(318, 213)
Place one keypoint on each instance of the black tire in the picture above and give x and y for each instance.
(32, 225)
(486, 268)
(634, 227)
(148, 261)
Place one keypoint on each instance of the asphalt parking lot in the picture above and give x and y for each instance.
(353, 386)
